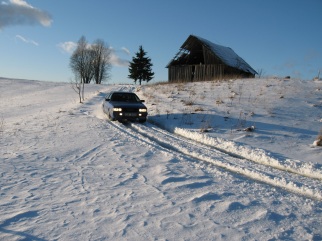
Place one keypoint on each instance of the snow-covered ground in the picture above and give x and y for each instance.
(191, 172)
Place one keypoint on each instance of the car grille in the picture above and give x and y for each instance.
(130, 110)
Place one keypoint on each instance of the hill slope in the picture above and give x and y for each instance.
(67, 173)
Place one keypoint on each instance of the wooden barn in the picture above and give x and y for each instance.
(199, 59)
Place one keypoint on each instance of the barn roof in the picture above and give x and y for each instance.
(225, 54)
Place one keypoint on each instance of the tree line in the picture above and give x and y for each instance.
(92, 62)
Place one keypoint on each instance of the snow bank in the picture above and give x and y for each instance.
(254, 154)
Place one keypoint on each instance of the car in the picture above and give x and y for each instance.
(124, 106)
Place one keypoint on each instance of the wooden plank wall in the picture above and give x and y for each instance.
(190, 73)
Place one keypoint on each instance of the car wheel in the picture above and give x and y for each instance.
(142, 120)
(110, 117)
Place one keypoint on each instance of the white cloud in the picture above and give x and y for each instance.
(28, 41)
(67, 47)
(126, 50)
(19, 12)
(116, 60)
(21, 3)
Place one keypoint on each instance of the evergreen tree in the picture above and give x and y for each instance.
(140, 67)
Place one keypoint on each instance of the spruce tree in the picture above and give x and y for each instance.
(141, 67)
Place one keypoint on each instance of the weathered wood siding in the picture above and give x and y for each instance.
(189, 73)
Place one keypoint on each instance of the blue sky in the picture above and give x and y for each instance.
(278, 37)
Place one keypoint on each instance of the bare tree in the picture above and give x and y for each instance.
(88, 62)
(101, 64)
(81, 61)
(77, 62)
(77, 86)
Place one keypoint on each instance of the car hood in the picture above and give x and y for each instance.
(121, 104)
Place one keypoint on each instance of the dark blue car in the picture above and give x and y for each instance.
(124, 106)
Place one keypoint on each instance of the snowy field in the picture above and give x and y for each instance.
(229, 160)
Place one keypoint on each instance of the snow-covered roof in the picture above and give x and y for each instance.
(227, 55)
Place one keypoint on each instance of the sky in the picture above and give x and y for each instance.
(276, 38)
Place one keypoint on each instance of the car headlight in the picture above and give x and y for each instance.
(117, 109)
(142, 110)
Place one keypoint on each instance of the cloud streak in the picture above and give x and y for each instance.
(19, 12)
(28, 41)
(125, 50)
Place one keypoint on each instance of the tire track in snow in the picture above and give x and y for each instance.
(289, 181)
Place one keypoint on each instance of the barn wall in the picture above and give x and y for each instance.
(189, 73)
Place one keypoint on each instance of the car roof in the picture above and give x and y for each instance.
(121, 92)
(114, 94)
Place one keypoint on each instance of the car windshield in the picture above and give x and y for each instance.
(126, 97)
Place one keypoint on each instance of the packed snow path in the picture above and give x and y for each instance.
(296, 183)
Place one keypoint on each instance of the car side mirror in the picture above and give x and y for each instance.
(142, 100)
(107, 99)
